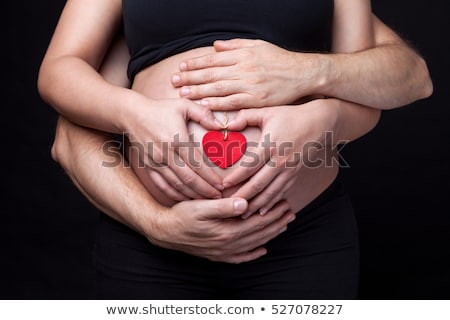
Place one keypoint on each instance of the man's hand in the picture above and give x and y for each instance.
(245, 74)
(214, 229)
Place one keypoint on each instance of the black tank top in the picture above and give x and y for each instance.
(158, 29)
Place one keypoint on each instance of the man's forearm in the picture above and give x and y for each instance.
(387, 76)
(113, 188)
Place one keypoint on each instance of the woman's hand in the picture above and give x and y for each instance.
(157, 130)
(246, 74)
(291, 137)
(214, 229)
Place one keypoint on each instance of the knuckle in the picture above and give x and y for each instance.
(210, 60)
(260, 226)
(271, 193)
(226, 238)
(284, 207)
(156, 157)
(261, 95)
(234, 101)
(178, 185)
(164, 188)
(247, 53)
(209, 76)
(257, 79)
(196, 168)
(190, 64)
(206, 113)
(258, 187)
(188, 180)
(219, 86)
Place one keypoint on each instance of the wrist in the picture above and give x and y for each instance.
(152, 225)
(133, 105)
(328, 74)
(317, 69)
(327, 115)
(140, 210)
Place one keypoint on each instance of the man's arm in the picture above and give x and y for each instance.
(213, 229)
(389, 75)
(112, 189)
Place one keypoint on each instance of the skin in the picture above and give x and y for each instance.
(213, 230)
(391, 74)
(113, 105)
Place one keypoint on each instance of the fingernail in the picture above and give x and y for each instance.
(292, 218)
(240, 205)
(176, 79)
(219, 187)
(185, 91)
(246, 215)
(263, 211)
(283, 230)
(226, 185)
(183, 66)
(204, 103)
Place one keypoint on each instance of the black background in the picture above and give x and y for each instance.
(399, 175)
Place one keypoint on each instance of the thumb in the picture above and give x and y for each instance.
(224, 45)
(221, 208)
(203, 116)
(246, 118)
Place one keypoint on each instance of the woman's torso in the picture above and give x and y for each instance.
(154, 82)
(160, 34)
(155, 30)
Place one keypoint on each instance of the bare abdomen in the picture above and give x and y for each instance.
(155, 83)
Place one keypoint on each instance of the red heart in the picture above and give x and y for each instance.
(224, 153)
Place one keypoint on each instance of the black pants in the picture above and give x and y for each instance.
(316, 258)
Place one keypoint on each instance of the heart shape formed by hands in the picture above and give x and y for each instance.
(223, 150)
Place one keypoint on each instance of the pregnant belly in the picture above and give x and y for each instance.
(154, 82)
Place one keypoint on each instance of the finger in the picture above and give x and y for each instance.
(244, 256)
(190, 179)
(201, 115)
(258, 222)
(223, 45)
(164, 186)
(231, 102)
(193, 157)
(218, 209)
(261, 237)
(273, 193)
(258, 182)
(219, 88)
(181, 177)
(253, 160)
(201, 76)
(264, 210)
(217, 59)
(165, 180)
(247, 118)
